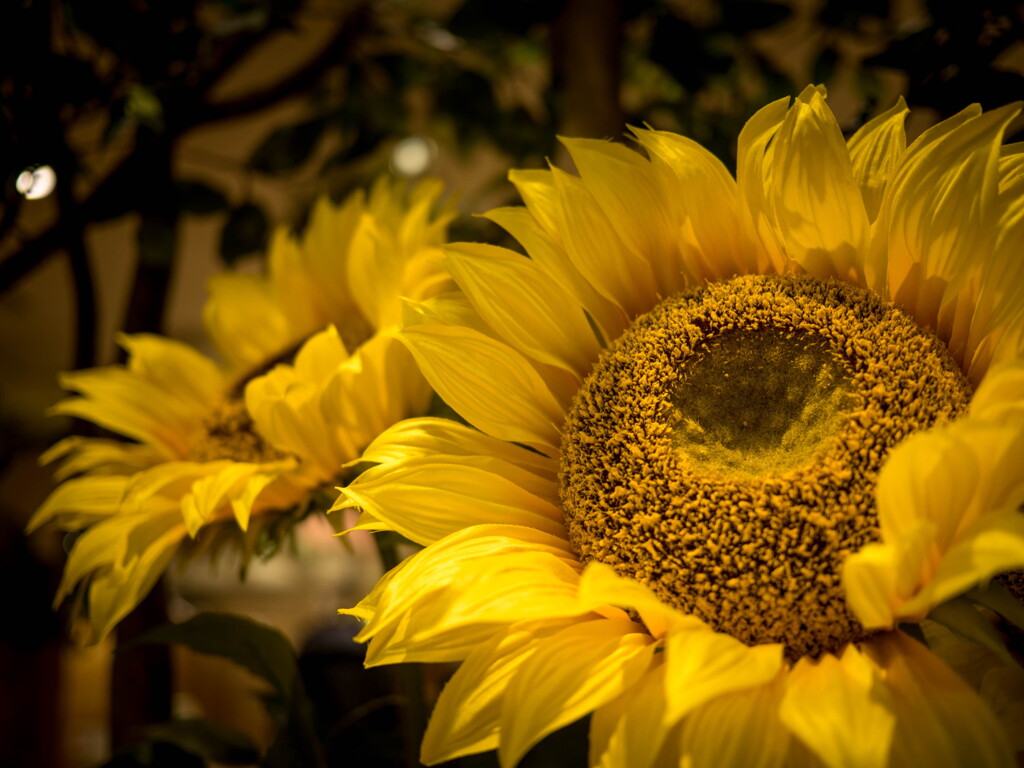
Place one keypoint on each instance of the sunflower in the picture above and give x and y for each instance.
(735, 448)
(210, 444)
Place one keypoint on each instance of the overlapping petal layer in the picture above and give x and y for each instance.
(249, 445)
(928, 226)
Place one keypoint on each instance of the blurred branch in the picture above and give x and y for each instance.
(332, 54)
(187, 108)
(587, 61)
(85, 293)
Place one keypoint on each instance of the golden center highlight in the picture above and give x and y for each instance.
(229, 433)
(724, 450)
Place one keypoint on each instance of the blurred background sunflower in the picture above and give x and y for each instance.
(150, 147)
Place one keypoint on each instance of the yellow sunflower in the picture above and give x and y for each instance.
(210, 445)
(731, 442)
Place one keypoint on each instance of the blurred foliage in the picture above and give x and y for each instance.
(257, 648)
(104, 91)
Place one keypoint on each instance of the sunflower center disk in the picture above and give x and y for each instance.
(725, 449)
(229, 433)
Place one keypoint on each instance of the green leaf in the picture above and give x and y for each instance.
(960, 616)
(997, 598)
(287, 148)
(258, 648)
(245, 232)
(200, 198)
(207, 739)
(144, 106)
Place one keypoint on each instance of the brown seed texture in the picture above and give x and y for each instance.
(725, 449)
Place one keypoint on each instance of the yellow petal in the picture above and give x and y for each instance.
(738, 730)
(123, 556)
(466, 718)
(123, 402)
(184, 372)
(634, 733)
(945, 501)
(527, 309)
(1001, 393)
(537, 188)
(816, 203)
(81, 501)
(79, 455)
(875, 150)
(236, 305)
(170, 480)
(939, 719)
(993, 545)
(752, 146)
(230, 482)
(569, 675)
(114, 593)
(320, 355)
(295, 291)
(600, 585)
(702, 664)
(939, 211)
(551, 257)
(426, 436)
(528, 478)
(457, 592)
(452, 308)
(707, 224)
(374, 273)
(326, 241)
(878, 577)
(841, 709)
(242, 504)
(378, 386)
(287, 412)
(426, 499)
(1011, 169)
(598, 252)
(999, 306)
(491, 385)
(636, 197)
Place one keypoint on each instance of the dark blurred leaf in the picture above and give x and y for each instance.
(825, 66)
(989, 87)
(197, 197)
(158, 755)
(147, 38)
(849, 13)
(777, 83)
(675, 45)
(365, 142)
(266, 653)
(157, 238)
(482, 19)
(118, 121)
(207, 739)
(287, 148)
(144, 106)
(297, 743)
(916, 51)
(245, 232)
(258, 648)
(741, 16)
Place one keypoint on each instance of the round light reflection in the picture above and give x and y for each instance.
(412, 156)
(36, 183)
